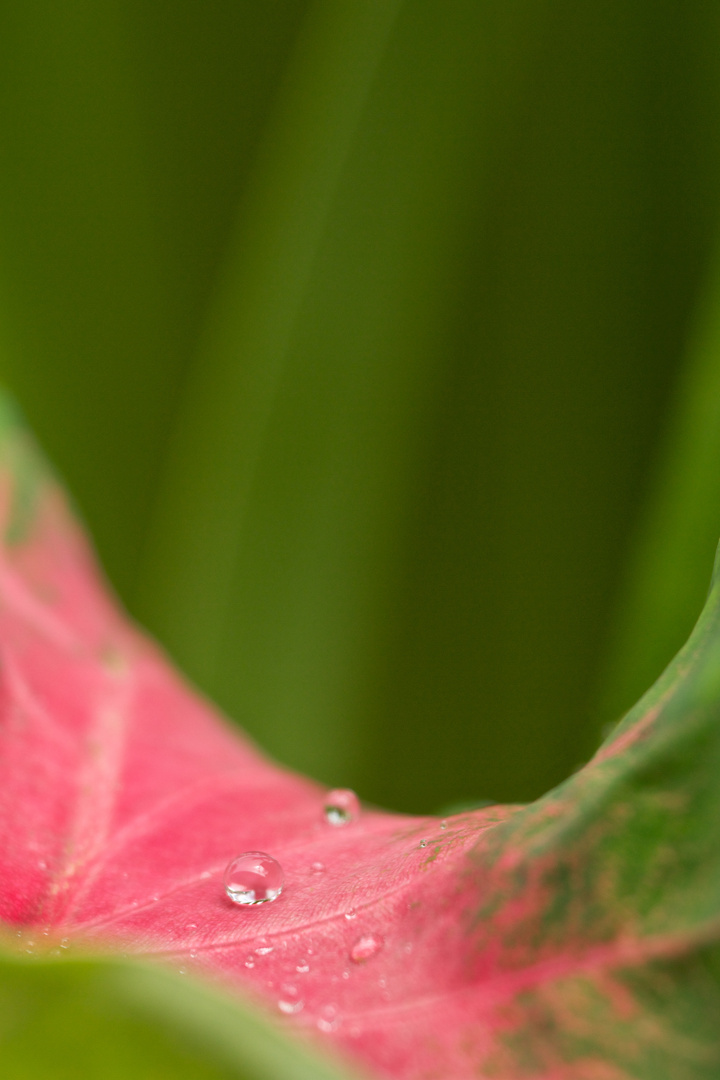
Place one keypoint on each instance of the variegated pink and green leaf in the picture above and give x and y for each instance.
(572, 939)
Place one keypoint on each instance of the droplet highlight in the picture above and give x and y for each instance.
(366, 946)
(253, 878)
(342, 806)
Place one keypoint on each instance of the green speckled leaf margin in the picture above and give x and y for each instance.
(604, 896)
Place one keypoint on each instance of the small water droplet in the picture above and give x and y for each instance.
(423, 843)
(443, 824)
(346, 974)
(206, 874)
(318, 867)
(19, 933)
(264, 950)
(302, 969)
(65, 943)
(249, 963)
(365, 947)
(253, 878)
(290, 1007)
(192, 926)
(288, 990)
(328, 1019)
(182, 971)
(341, 806)
(351, 914)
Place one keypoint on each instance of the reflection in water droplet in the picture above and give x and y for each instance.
(182, 971)
(289, 1007)
(423, 843)
(302, 969)
(263, 950)
(351, 914)
(65, 943)
(249, 962)
(365, 947)
(341, 806)
(443, 824)
(253, 878)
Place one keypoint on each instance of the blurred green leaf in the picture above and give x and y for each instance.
(106, 1019)
(677, 538)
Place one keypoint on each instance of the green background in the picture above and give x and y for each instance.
(374, 341)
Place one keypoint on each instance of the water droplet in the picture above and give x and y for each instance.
(302, 969)
(182, 971)
(341, 806)
(328, 1019)
(423, 843)
(253, 878)
(351, 914)
(365, 947)
(289, 1007)
(65, 943)
(249, 963)
(263, 950)
(317, 867)
(443, 824)
(206, 874)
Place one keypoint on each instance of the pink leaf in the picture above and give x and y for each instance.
(506, 942)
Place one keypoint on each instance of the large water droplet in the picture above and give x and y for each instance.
(253, 878)
(365, 947)
(341, 806)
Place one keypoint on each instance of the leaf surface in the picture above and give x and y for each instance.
(574, 939)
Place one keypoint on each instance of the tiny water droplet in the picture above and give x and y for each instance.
(206, 874)
(302, 969)
(317, 867)
(328, 1019)
(65, 943)
(365, 947)
(19, 933)
(182, 971)
(264, 950)
(443, 824)
(341, 806)
(290, 1007)
(346, 974)
(288, 990)
(249, 963)
(253, 878)
(192, 926)
(351, 914)
(423, 843)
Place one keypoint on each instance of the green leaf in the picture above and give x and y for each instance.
(109, 1019)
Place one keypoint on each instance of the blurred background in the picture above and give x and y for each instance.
(379, 346)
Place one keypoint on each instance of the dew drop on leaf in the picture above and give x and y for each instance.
(289, 1007)
(423, 843)
(328, 1019)
(365, 947)
(341, 807)
(253, 878)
